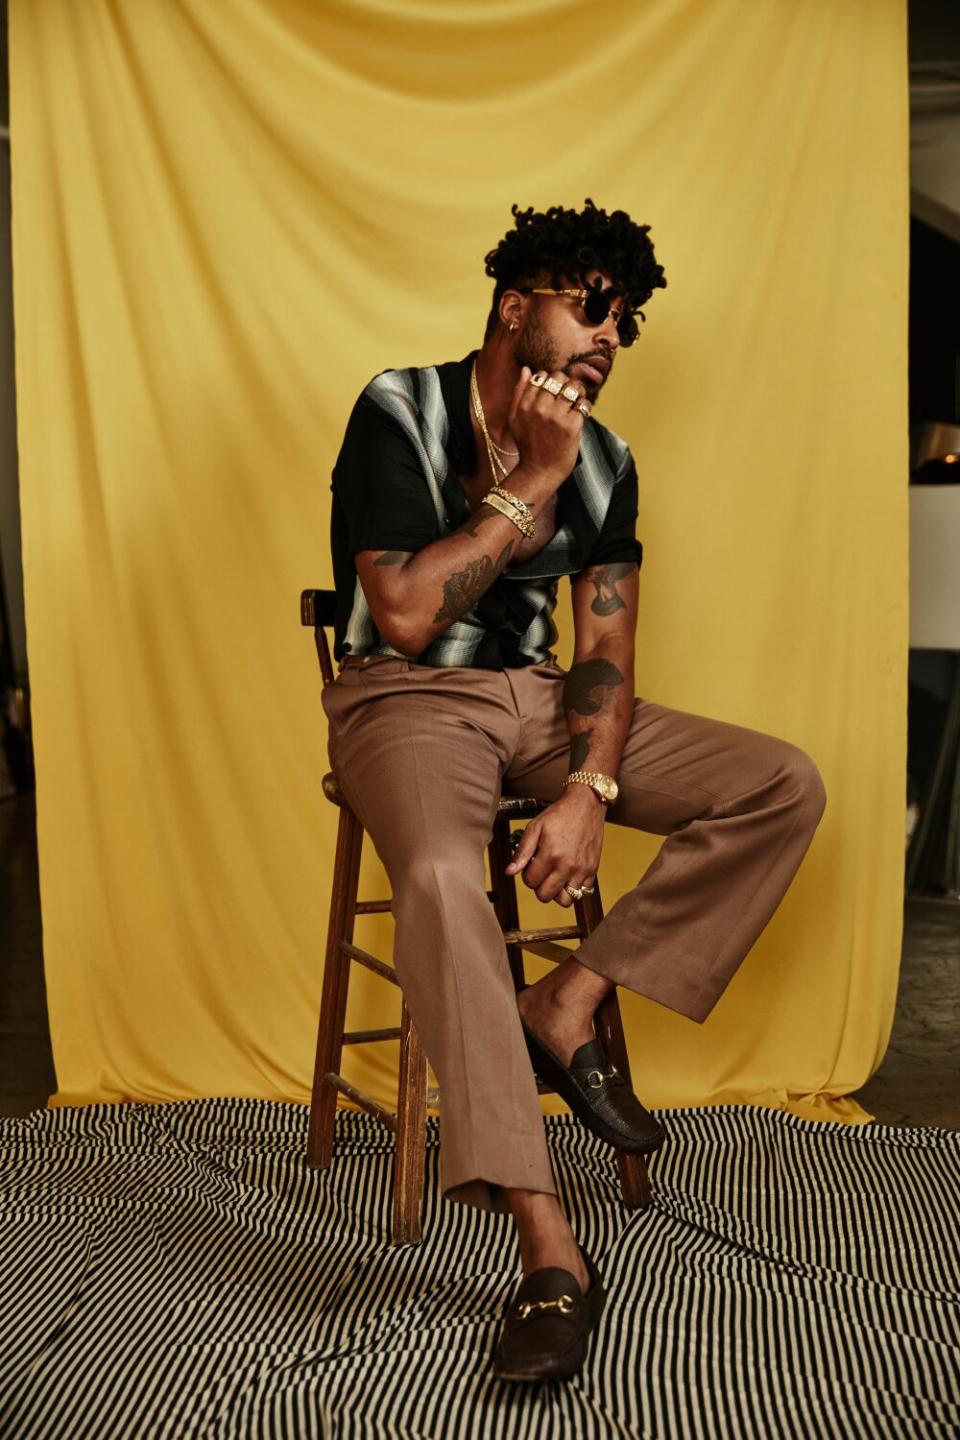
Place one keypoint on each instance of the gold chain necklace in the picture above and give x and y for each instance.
(494, 451)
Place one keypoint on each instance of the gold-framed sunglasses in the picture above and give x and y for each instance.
(596, 307)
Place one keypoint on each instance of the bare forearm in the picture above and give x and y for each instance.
(598, 703)
(441, 582)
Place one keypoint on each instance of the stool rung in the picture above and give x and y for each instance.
(360, 1037)
(549, 950)
(556, 932)
(372, 1108)
(372, 907)
(371, 961)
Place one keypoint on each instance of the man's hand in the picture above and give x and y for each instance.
(546, 427)
(562, 845)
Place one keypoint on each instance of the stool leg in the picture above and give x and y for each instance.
(411, 1135)
(333, 1001)
(634, 1179)
(504, 889)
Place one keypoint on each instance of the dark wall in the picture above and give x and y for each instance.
(934, 325)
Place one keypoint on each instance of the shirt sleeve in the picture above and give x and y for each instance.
(617, 538)
(380, 486)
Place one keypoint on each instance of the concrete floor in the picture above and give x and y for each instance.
(918, 1082)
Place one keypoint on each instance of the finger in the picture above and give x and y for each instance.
(556, 377)
(548, 400)
(572, 397)
(572, 393)
(566, 405)
(563, 897)
(553, 887)
(524, 852)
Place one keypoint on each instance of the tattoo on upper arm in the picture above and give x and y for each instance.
(604, 578)
(394, 557)
(589, 684)
(468, 584)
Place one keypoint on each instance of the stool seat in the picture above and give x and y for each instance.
(515, 807)
(409, 1120)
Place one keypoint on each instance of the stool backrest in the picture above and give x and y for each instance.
(318, 608)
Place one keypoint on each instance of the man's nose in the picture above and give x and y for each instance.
(608, 335)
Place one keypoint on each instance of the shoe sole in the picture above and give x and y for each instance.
(554, 1074)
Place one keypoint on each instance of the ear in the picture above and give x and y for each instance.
(512, 308)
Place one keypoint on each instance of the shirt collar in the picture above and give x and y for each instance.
(455, 388)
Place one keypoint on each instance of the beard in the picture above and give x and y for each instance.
(535, 347)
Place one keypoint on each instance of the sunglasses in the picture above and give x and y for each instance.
(596, 308)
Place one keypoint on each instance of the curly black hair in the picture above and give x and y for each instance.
(566, 245)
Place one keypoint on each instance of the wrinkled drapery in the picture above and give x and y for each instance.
(227, 217)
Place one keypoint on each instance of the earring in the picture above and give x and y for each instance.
(513, 324)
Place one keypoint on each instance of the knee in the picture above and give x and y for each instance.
(427, 873)
(806, 783)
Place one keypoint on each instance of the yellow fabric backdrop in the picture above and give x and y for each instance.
(228, 215)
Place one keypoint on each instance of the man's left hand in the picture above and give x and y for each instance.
(561, 846)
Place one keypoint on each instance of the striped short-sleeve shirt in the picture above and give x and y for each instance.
(395, 487)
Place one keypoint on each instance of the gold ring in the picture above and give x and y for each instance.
(552, 385)
(584, 408)
(538, 379)
(569, 393)
(588, 889)
(575, 891)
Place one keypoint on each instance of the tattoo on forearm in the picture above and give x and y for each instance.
(580, 748)
(468, 584)
(589, 685)
(604, 579)
(394, 557)
(477, 518)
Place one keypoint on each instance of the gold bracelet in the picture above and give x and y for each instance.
(505, 507)
(521, 505)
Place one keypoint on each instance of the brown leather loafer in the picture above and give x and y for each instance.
(547, 1325)
(598, 1095)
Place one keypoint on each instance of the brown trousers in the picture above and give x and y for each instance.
(422, 753)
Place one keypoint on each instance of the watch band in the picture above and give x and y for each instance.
(591, 778)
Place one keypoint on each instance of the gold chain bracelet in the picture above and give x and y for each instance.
(521, 505)
(506, 507)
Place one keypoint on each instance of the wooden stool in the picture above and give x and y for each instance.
(409, 1121)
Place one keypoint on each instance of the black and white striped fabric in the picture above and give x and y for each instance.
(177, 1270)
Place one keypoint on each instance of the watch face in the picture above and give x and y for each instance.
(609, 789)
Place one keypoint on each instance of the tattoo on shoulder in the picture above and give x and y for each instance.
(604, 579)
(589, 684)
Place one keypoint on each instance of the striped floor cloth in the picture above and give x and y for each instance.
(176, 1270)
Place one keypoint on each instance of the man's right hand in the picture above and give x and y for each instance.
(546, 427)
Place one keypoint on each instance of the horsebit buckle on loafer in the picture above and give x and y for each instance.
(564, 1303)
(602, 1077)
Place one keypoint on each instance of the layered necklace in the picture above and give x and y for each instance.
(498, 470)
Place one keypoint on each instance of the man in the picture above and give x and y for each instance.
(462, 492)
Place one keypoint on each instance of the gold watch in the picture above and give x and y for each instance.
(603, 785)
